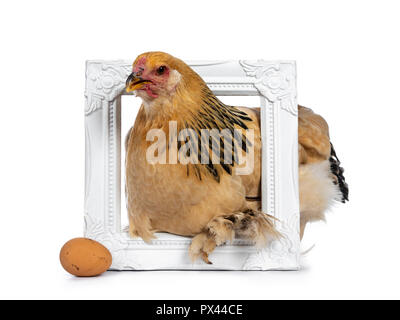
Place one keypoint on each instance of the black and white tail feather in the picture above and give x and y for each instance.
(338, 171)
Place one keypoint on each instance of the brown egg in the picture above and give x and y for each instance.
(84, 257)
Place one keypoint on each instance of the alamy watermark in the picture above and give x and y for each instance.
(210, 145)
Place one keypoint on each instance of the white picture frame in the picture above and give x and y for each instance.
(275, 83)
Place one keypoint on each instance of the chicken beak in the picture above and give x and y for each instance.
(133, 82)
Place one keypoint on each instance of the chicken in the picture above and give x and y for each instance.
(206, 199)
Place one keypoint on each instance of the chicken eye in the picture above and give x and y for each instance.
(161, 70)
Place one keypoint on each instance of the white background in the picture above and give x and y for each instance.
(348, 59)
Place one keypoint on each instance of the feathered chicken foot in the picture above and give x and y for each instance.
(250, 224)
(145, 231)
(218, 231)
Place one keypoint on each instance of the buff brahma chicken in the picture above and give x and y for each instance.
(209, 202)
